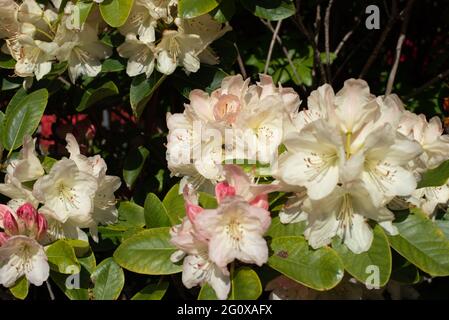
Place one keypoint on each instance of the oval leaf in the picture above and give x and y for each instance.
(174, 203)
(95, 94)
(155, 213)
(22, 117)
(193, 8)
(109, 280)
(61, 257)
(154, 291)
(20, 289)
(270, 9)
(245, 285)
(435, 177)
(115, 12)
(319, 269)
(142, 90)
(422, 243)
(133, 165)
(148, 252)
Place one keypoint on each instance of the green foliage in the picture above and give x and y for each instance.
(115, 12)
(108, 279)
(193, 8)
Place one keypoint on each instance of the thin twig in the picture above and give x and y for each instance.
(240, 62)
(317, 24)
(347, 36)
(285, 51)
(50, 291)
(326, 38)
(303, 29)
(270, 50)
(401, 39)
(382, 39)
(438, 77)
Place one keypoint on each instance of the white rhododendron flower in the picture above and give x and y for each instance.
(352, 154)
(82, 50)
(212, 238)
(8, 18)
(236, 121)
(140, 54)
(20, 251)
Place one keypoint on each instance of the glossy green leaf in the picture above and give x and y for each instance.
(6, 61)
(188, 9)
(422, 243)
(245, 285)
(115, 12)
(108, 279)
(113, 65)
(96, 94)
(22, 117)
(224, 11)
(131, 214)
(278, 229)
(207, 201)
(270, 9)
(155, 213)
(174, 203)
(61, 257)
(148, 252)
(20, 288)
(142, 89)
(375, 261)
(154, 291)
(76, 286)
(207, 293)
(435, 177)
(319, 269)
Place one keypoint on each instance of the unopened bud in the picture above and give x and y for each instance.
(10, 224)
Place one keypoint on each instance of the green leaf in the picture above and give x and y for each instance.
(6, 61)
(89, 262)
(422, 243)
(154, 291)
(270, 9)
(224, 11)
(188, 9)
(133, 165)
(22, 117)
(20, 288)
(155, 213)
(148, 252)
(435, 177)
(97, 93)
(174, 203)
(48, 163)
(319, 269)
(131, 214)
(75, 287)
(84, 10)
(112, 65)
(108, 279)
(278, 229)
(245, 285)
(115, 12)
(359, 265)
(207, 201)
(11, 83)
(142, 90)
(61, 257)
(207, 293)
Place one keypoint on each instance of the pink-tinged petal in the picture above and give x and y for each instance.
(237, 178)
(261, 201)
(191, 203)
(10, 224)
(3, 210)
(253, 249)
(223, 190)
(3, 238)
(42, 226)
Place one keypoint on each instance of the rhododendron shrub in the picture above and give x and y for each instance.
(160, 144)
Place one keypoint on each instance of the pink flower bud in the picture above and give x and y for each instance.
(28, 215)
(42, 226)
(223, 190)
(10, 224)
(260, 201)
(3, 238)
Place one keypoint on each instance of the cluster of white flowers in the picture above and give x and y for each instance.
(38, 35)
(209, 239)
(183, 42)
(236, 121)
(347, 160)
(76, 193)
